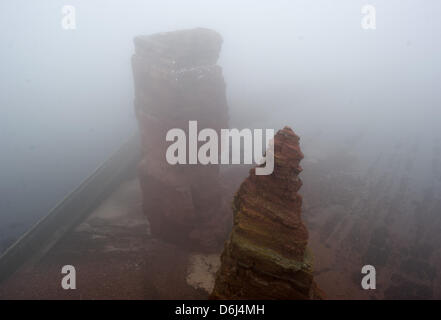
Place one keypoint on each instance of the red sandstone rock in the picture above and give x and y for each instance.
(266, 256)
(177, 80)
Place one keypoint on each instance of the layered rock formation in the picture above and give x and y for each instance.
(370, 206)
(177, 80)
(266, 256)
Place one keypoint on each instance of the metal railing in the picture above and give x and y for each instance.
(73, 209)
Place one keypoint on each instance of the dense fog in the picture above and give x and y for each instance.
(66, 96)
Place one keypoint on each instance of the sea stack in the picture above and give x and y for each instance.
(177, 80)
(266, 256)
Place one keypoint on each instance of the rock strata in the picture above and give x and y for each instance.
(177, 80)
(266, 256)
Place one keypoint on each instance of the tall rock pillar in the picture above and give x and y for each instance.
(266, 256)
(177, 80)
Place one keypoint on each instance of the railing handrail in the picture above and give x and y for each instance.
(66, 214)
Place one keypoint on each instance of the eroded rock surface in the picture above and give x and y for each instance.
(177, 80)
(266, 256)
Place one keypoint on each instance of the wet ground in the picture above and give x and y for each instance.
(374, 198)
(115, 258)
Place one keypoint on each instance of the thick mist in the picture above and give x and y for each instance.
(66, 96)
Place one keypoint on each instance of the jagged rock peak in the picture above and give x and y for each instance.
(266, 256)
